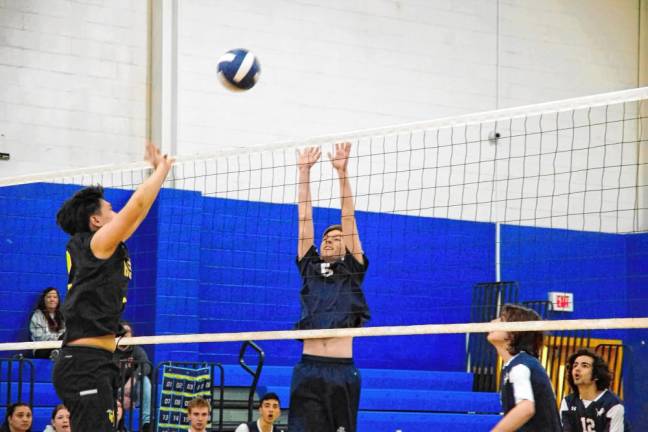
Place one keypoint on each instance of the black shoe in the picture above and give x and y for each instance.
(146, 427)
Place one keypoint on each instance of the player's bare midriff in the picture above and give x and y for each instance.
(106, 342)
(341, 347)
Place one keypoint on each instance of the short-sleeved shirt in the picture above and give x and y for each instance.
(96, 289)
(603, 414)
(524, 378)
(331, 294)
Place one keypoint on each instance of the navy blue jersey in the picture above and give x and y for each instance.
(331, 294)
(524, 378)
(604, 414)
(96, 289)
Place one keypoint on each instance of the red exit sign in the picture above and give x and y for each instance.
(562, 301)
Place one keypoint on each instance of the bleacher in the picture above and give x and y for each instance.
(406, 400)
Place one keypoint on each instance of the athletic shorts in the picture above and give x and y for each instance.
(86, 380)
(324, 395)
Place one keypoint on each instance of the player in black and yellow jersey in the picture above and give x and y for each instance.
(99, 270)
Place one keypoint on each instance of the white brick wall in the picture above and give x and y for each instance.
(327, 67)
(344, 65)
(330, 66)
(558, 49)
(73, 77)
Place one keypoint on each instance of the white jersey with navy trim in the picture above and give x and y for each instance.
(524, 378)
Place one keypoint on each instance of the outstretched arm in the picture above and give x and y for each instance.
(340, 161)
(516, 418)
(305, 161)
(122, 226)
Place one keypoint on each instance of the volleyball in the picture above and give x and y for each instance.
(238, 69)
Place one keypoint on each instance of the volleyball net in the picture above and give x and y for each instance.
(455, 215)
(544, 205)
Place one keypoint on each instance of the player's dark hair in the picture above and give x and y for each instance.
(269, 396)
(74, 215)
(530, 341)
(600, 371)
(54, 324)
(336, 227)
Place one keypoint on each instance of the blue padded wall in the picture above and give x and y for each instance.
(178, 277)
(589, 265)
(421, 271)
(637, 359)
(637, 273)
(32, 256)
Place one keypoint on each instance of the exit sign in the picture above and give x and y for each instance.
(562, 301)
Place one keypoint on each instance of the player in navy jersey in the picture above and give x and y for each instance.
(325, 388)
(99, 270)
(591, 407)
(528, 400)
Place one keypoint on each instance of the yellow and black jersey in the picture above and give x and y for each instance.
(96, 289)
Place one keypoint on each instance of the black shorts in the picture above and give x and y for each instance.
(86, 380)
(324, 395)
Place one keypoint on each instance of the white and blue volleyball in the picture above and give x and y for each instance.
(238, 69)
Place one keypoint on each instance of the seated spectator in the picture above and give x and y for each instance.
(134, 362)
(198, 411)
(60, 420)
(18, 418)
(46, 323)
(269, 412)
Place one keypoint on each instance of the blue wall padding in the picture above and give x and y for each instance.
(589, 265)
(637, 273)
(636, 360)
(421, 271)
(178, 266)
(32, 252)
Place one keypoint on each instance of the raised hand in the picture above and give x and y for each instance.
(340, 158)
(153, 155)
(308, 157)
